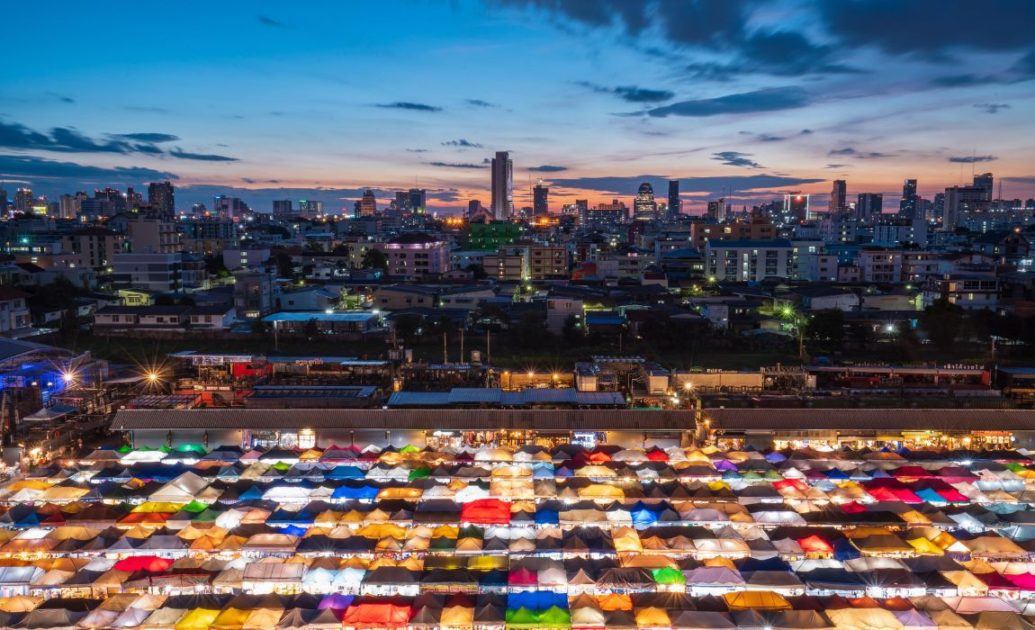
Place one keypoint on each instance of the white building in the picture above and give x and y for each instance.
(749, 261)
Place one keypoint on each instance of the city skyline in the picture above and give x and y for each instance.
(323, 101)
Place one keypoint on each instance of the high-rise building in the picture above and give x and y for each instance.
(716, 211)
(282, 208)
(68, 207)
(474, 206)
(986, 183)
(795, 208)
(3, 200)
(869, 206)
(133, 199)
(907, 206)
(645, 208)
(581, 208)
(309, 209)
(839, 197)
(23, 200)
(540, 199)
(675, 204)
(502, 186)
(367, 205)
(161, 197)
(418, 200)
(229, 207)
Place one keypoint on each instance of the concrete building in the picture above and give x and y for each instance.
(415, 256)
(749, 261)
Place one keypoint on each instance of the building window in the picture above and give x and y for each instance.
(306, 438)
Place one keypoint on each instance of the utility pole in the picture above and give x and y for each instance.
(461, 345)
(445, 348)
(488, 347)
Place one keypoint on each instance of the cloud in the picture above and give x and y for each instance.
(70, 140)
(836, 166)
(992, 108)
(456, 165)
(266, 20)
(37, 169)
(147, 137)
(972, 159)
(147, 109)
(765, 100)
(62, 98)
(547, 168)
(964, 80)
(203, 157)
(462, 142)
(415, 107)
(477, 102)
(622, 185)
(736, 158)
(862, 155)
(777, 53)
(416, 150)
(890, 25)
(631, 93)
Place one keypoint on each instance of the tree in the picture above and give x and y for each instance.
(165, 300)
(285, 266)
(312, 329)
(530, 330)
(407, 326)
(375, 259)
(259, 328)
(573, 332)
(942, 322)
(476, 271)
(827, 325)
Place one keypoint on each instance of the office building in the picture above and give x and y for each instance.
(716, 212)
(68, 207)
(3, 200)
(675, 204)
(540, 199)
(23, 200)
(282, 208)
(869, 206)
(795, 208)
(965, 200)
(161, 197)
(839, 197)
(367, 204)
(418, 200)
(502, 186)
(907, 205)
(986, 183)
(645, 207)
(581, 208)
(229, 207)
(310, 209)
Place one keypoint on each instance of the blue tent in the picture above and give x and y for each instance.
(642, 515)
(342, 471)
(362, 492)
(547, 517)
(845, 550)
(538, 600)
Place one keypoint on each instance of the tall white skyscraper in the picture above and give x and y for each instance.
(502, 186)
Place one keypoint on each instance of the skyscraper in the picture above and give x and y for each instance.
(795, 208)
(645, 208)
(309, 209)
(540, 199)
(675, 204)
(907, 206)
(23, 200)
(986, 183)
(716, 210)
(839, 197)
(161, 197)
(869, 206)
(418, 199)
(282, 208)
(3, 200)
(229, 207)
(367, 206)
(502, 186)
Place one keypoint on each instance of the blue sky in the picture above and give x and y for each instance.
(271, 100)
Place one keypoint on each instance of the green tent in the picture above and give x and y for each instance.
(409, 448)
(554, 617)
(125, 448)
(420, 473)
(668, 575)
(522, 617)
(192, 448)
(195, 506)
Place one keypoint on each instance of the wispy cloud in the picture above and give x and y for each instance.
(736, 158)
(631, 93)
(266, 20)
(415, 107)
(147, 137)
(765, 100)
(547, 168)
(456, 165)
(972, 159)
(992, 108)
(463, 143)
(477, 102)
(862, 155)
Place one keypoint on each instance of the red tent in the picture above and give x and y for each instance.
(150, 564)
(522, 577)
(657, 455)
(486, 512)
(917, 472)
(853, 507)
(815, 544)
(377, 615)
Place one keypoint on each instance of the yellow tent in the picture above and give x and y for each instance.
(864, 618)
(756, 600)
(487, 563)
(615, 601)
(153, 507)
(229, 619)
(602, 491)
(262, 618)
(652, 617)
(197, 619)
(925, 547)
(19, 603)
(457, 616)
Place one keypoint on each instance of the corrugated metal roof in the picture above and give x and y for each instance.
(445, 419)
(873, 419)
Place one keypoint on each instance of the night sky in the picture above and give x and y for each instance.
(274, 100)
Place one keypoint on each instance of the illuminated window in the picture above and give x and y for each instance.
(306, 438)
